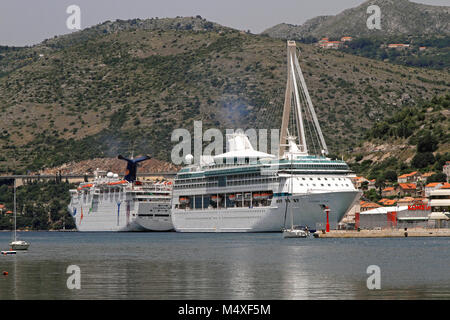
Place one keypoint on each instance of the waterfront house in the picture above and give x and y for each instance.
(366, 205)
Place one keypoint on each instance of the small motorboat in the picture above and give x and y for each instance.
(19, 245)
(295, 232)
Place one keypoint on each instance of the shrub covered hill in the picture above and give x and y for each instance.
(414, 138)
(124, 86)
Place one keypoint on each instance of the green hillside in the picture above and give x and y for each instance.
(125, 86)
(423, 51)
(415, 138)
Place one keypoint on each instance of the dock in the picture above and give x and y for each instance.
(384, 233)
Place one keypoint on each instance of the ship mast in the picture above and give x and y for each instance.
(299, 96)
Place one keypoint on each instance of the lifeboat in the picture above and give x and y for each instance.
(232, 197)
(184, 200)
(265, 195)
(216, 198)
(257, 196)
(117, 182)
(85, 186)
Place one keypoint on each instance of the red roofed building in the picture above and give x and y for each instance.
(358, 181)
(368, 205)
(388, 202)
(409, 177)
(406, 201)
(432, 186)
(371, 185)
(398, 46)
(389, 192)
(324, 44)
(407, 188)
(425, 176)
(346, 39)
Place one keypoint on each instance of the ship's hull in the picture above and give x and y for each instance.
(306, 208)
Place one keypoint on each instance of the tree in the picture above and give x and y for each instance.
(390, 175)
(438, 177)
(422, 160)
(365, 185)
(427, 143)
(380, 183)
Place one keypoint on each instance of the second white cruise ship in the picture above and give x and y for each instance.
(244, 190)
(112, 204)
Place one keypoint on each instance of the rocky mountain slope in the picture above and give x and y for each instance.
(397, 17)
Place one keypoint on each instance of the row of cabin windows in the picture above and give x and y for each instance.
(247, 179)
(329, 185)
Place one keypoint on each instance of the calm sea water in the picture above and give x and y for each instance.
(223, 266)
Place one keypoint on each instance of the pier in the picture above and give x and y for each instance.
(384, 233)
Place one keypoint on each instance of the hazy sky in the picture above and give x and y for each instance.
(27, 22)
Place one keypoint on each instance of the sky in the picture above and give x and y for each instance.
(28, 22)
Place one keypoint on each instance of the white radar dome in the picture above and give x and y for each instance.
(110, 175)
(115, 175)
(188, 159)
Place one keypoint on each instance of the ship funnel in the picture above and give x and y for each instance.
(130, 174)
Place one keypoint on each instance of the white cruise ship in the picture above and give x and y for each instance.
(112, 204)
(244, 190)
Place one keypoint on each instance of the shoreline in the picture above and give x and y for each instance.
(67, 230)
(386, 233)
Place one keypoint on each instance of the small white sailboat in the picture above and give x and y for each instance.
(17, 244)
(294, 231)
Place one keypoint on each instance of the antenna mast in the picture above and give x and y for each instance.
(293, 93)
